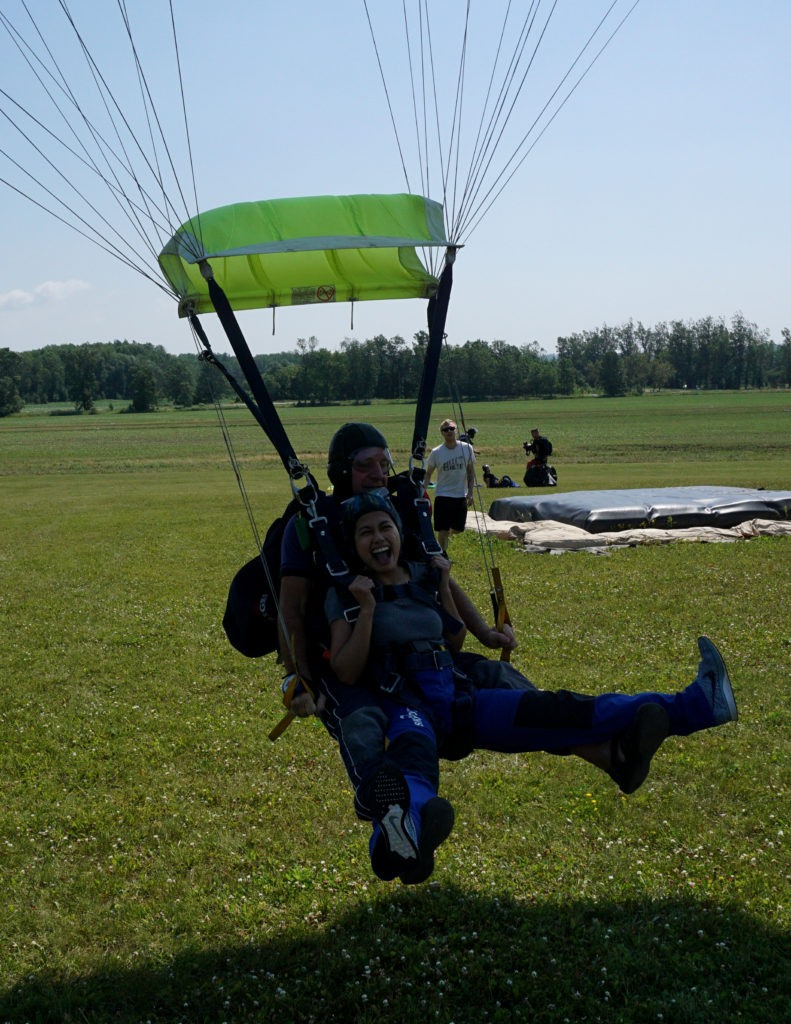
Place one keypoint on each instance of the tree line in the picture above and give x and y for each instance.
(706, 353)
(630, 358)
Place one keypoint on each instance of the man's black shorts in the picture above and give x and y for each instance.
(450, 514)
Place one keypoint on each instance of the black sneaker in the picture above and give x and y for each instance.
(390, 797)
(436, 822)
(633, 749)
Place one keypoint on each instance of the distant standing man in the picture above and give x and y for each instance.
(538, 472)
(540, 447)
(453, 460)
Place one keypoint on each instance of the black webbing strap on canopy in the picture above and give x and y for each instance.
(334, 564)
(415, 510)
(437, 314)
(269, 419)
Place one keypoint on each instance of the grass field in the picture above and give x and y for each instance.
(163, 861)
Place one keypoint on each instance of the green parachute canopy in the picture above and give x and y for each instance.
(289, 252)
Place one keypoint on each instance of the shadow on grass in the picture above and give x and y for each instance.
(441, 954)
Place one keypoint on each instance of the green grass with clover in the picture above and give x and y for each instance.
(162, 861)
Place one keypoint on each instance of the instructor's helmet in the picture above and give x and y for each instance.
(346, 442)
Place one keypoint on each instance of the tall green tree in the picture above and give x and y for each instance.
(360, 373)
(143, 386)
(566, 379)
(80, 366)
(210, 385)
(785, 357)
(10, 398)
(179, 382)
(611, 375)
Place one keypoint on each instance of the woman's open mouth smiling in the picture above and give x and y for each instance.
(382, 555)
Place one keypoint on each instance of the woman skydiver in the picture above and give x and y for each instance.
(400, 644)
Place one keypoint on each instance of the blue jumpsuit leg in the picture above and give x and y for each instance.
(412, 750)
(553, 721)
(373, 732)
(356, 720)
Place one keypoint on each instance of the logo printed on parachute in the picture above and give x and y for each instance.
(305, 294)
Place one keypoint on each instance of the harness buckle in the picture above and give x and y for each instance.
(417, 465)
(335, 566)
(428, 541)
(392, 684)
(427, 655)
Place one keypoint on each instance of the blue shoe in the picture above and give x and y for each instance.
(436, 822)
(713, 680)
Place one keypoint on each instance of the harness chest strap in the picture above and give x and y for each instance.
(337, 569)
(392, 664)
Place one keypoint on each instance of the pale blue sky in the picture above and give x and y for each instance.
(659, 192)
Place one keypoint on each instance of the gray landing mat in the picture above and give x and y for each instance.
(666, 507)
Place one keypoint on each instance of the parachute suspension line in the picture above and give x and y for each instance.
(268, 417)
(387, 96)
(426, 56)
(452, 218)
(458, 108)
(445, 161)
(437, 314)
(504, 177)
(306, 497)
(422, 145)
(432, 255)
(205, 354)
(92, 234)
(487, 141)
(187, 135)
(148, 218)
(110, 103)
(494, 579)
(481, 163)
(150, 110)
(478, 509)
(469, 192)
(208, 356)
(60, 80)
(95, 236)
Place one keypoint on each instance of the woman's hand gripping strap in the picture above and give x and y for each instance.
(293, 685)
